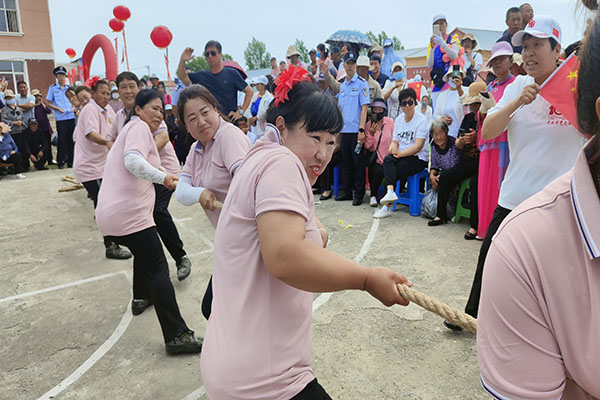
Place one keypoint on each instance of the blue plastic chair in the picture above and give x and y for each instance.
(413, 196)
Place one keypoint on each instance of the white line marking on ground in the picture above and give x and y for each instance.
(182, 219)
(199, 253)
(95, 357)
(319, 301)
(64, 286)
(204, 239)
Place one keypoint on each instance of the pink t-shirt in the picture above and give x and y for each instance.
(258, 342)
(539, 316)
(372, 140)
(125, 202)
(212, 167)
(117, 125)
(89, 156)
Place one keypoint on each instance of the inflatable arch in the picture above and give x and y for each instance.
(110, 57)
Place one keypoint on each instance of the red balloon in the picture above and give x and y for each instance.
(71, 52)
(116, 25)
(121, 13)
(161, 36)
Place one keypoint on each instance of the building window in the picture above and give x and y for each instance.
(9, 17)
(12, 72)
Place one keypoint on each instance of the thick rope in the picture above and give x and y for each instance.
(453, 315)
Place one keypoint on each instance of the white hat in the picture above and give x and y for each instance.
(540, 26)
(437, 18)
(168, 107)
(397, 64)
(446, 77)
(363, 61)
(261, 79)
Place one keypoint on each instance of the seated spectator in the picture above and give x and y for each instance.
(425, 109)
(242, 123)
(514, 22)
(36, 146)
(461, 161)
(448, 105)
(379, 131)
(41, 112)
(376, 73)
(408, 153)
(395, 83)
(12, 116)
(473, 60)
(9, 153)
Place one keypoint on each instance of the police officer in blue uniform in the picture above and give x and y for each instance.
(353, 100)
(65, 118)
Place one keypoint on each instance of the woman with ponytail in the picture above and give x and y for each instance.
(539, 315)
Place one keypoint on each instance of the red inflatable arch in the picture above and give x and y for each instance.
(110, 57)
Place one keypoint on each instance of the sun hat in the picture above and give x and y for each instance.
(397, 64)
(449, 74)
(378, 103)
(387, 42)
(500, 49)
(262, 80)
(363, 61)
(292, 51)
(438, 17)
(472, 38)
(474, 90)
(9, 93)
(540, 26)
(36, 92)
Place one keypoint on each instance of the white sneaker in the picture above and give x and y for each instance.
(373, 202)
(389, 198)
(18, 176)
(384, 212)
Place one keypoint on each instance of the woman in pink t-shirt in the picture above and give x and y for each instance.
(90, 152)
(269, 256)
(124, 213)
(211, 163)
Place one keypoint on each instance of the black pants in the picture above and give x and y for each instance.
(399, 169)
(151, 279)
(65, 142)
(16, 160)
(207, 300)
(450, 178)
(375, 177)
(500, 213)
(326, 178)
(164, 222)
(354, 165)
(93, 188)
(312, 391)
(48, 155)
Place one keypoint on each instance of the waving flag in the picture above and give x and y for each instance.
(417, 86)
(560, 89)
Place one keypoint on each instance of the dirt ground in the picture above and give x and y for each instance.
(68, 333)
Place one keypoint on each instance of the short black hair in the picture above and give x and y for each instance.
(144, 81)
(241, 119)
(21, 82)
(273, 58)
(512, 10)
(215, 44)
(407, 93)
(127, 75)
(82, 88)
(375, 57)
(553, 42)
(68, 89)
(315, 110)
(525, 4)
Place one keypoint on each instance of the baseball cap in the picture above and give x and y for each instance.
(540, 26)
(32, 121)
(500, 49)
(350, 56)
(261, 79)
(397, 64)
(437, 18)
(363, 61)
(8, 93)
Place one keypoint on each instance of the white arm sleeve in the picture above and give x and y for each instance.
(187, 194)
(431, 58)
(139, 167)
(451, 51)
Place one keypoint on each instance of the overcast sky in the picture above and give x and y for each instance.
(235, 22)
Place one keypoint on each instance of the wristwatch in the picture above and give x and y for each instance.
(361, 130)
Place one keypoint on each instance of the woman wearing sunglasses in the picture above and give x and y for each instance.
(408, 152)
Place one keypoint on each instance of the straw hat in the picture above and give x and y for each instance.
(36, 92)
(474, 90)
(292, 51)
(8, 93)
(472, 38)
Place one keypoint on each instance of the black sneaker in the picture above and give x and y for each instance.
(344, 197)
(357, 201)
(184, 267)
(115, 252)
(452, 327)
(138, 306)
(184, 343)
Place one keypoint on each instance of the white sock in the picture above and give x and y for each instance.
(390, 191)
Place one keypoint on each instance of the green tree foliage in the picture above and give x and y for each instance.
(256, 55)
(302, 50)
(382, 36)
(201, 64)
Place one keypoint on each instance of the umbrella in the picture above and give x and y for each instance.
(233, 64)
(349, 36)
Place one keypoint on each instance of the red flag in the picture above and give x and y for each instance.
(417, 86)
(560, 89)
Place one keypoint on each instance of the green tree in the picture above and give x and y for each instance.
(256, 55)
(302, 50)
(201, 64)
(382, 36)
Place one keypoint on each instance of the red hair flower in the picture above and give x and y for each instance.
(91, 83)
(287, 80)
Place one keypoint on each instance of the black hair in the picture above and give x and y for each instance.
(70, 89)
(588, 86)
(273, 58)
(324, 52)
(144, 81)
(144, 97)
(316, 111)
(82, 88)
(407, 93)
(553, 42)
(195, 91)
(512, 10)
(375, 57)
(23, 82)
(312, 51)
(98, 83)
(161, 83)
(242, 119)
(127, 75)
(215, 44)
